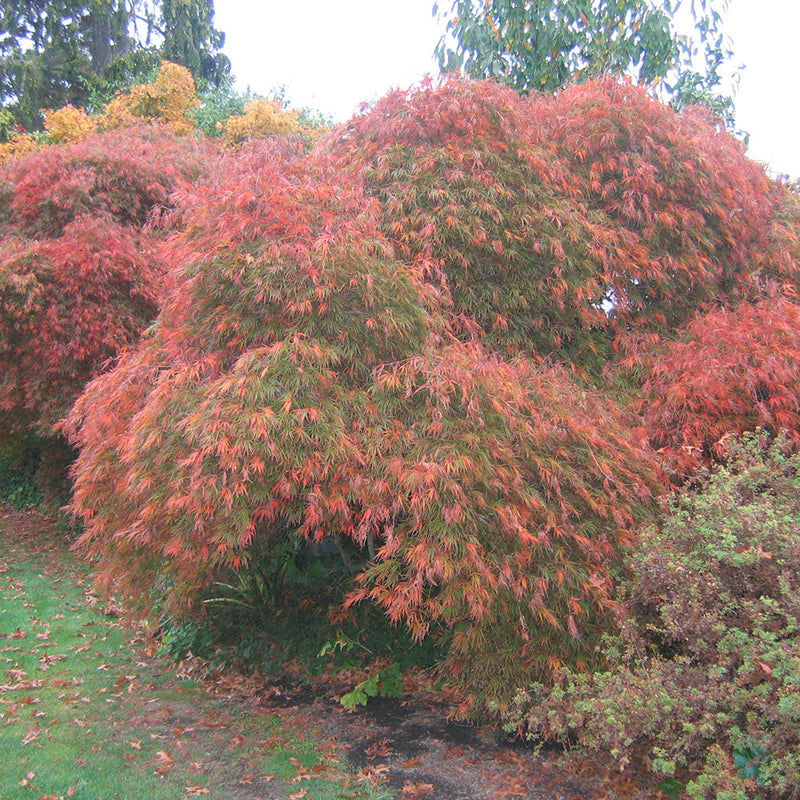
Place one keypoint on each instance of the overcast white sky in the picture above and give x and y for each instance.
(335, 54)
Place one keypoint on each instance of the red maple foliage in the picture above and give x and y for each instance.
(124, 174)
(283, 299)
(694, 215)
(557, 223)
(483, 210)
(734, 370)
(67, 306)
(79, 270)
(361, 342)
(300, 378)
(505, 495)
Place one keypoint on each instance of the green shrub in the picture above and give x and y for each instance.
(283, 607)
(703, 677)
(217, 104)
(19, 461)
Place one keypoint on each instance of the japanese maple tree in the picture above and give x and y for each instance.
(695, 218)
(483, 210)
(555, 224)
(69, 305)
(127, 174)
(300, 378)
(363, 342)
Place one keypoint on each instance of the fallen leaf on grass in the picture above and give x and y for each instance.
(46, 660)
(299, 795)
(26, 781)
(273, 741)
(164, 761)
(417, 789)
(302, 776)
(372, 774)
(23, 686)
(196, 791)
(32, 735)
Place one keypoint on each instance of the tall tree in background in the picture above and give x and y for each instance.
(541, 45)
(58, 52)
(191, 40)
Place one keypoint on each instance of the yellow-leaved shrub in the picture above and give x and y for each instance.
(19, 145)
(69, 124)
(168, 99)
(261, 118)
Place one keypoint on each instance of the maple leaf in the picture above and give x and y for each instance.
(379, 749)
(31, 735)
(163, 761)
(416, 789)
(26, 781)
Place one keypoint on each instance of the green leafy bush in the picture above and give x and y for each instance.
(703, 677)
(302, 626)
(19, 461)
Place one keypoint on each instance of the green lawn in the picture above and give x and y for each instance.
(86, 710)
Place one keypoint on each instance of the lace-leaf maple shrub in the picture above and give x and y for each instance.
(732, 370)
(469, 197)
(696, 220)
(300, 377)
(583, 225)
(362, 342)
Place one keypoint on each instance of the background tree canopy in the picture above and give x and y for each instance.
(58, 52)
(541, 45)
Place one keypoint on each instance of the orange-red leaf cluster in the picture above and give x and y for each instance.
(79, 267)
